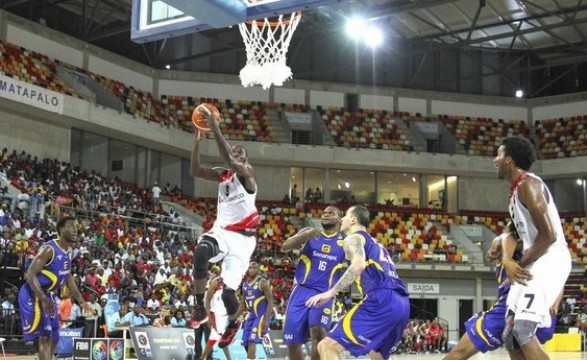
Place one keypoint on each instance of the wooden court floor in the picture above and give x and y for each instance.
(497, 355)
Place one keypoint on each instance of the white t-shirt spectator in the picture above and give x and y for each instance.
(160, 277)
(153, 304)
(156, 190)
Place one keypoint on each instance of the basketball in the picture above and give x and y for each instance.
(200, 113)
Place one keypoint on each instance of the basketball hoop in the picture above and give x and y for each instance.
(266, 44)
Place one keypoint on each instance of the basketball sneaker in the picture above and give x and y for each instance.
(199, 316)
(229, 334)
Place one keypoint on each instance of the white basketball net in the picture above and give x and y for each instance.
(266, 44)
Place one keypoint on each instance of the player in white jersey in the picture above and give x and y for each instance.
(216, 313)
(545, 263)
(231, 239)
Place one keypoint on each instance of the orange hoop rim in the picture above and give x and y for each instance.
(276, 23)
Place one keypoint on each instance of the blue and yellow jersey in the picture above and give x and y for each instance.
(320, 264)
(55, 273)
(380, 272)
(254, 297)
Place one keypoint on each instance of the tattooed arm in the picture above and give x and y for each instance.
(355, 252)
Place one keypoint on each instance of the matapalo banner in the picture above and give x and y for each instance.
(33, 95)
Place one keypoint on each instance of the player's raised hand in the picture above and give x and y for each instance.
(209, 116)
(200, 135)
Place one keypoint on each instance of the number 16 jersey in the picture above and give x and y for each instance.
(320, 264)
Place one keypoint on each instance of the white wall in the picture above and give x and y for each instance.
(170, 170)
(44, 140)
(556, 111)
(120, 73)
(326, 99)
(376, 102)
(412, 106)
(494, 112)
(483, 193)
(290, 96)
(220, 91)
(44, 46)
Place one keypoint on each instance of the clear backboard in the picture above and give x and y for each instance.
(159, 19)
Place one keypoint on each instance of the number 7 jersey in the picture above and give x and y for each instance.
(320, 264)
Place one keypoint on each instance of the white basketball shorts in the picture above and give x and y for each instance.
(235, 253)
(549, 274)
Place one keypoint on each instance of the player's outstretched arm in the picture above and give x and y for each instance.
(243, 169)
(297, 240)
(355, 252)
(74, 291)
(196, 170)
(266, 287)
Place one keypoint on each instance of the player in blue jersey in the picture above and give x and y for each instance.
(485, 329)
(319, 268)
(49, 271)
(376, 324)
(257, 299)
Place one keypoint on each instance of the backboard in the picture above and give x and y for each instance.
(159, 19)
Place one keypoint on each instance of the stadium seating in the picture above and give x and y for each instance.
(32, 67)
(136, 102)
(482, 136)
(575, 229)
(563, 137)
(248, 121)
(374, 129)
(243, 120)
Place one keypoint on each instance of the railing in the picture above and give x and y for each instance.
(140, 220)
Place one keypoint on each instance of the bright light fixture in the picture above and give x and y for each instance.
(355, 28)
(374, 37)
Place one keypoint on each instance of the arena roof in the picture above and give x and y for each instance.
(440, 45)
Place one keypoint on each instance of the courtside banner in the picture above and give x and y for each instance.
(33, 95)
(162, 343)
(98, 349)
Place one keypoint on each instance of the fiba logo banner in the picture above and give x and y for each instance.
(98, 349)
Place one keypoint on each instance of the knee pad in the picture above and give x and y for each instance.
(524, 331)
(508, 335)
(206, 249)
(230, 301)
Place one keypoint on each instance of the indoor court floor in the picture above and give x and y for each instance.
(496, 355)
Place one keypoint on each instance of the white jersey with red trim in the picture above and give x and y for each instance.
(523, 220)
(236, 207)
(216, 304)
